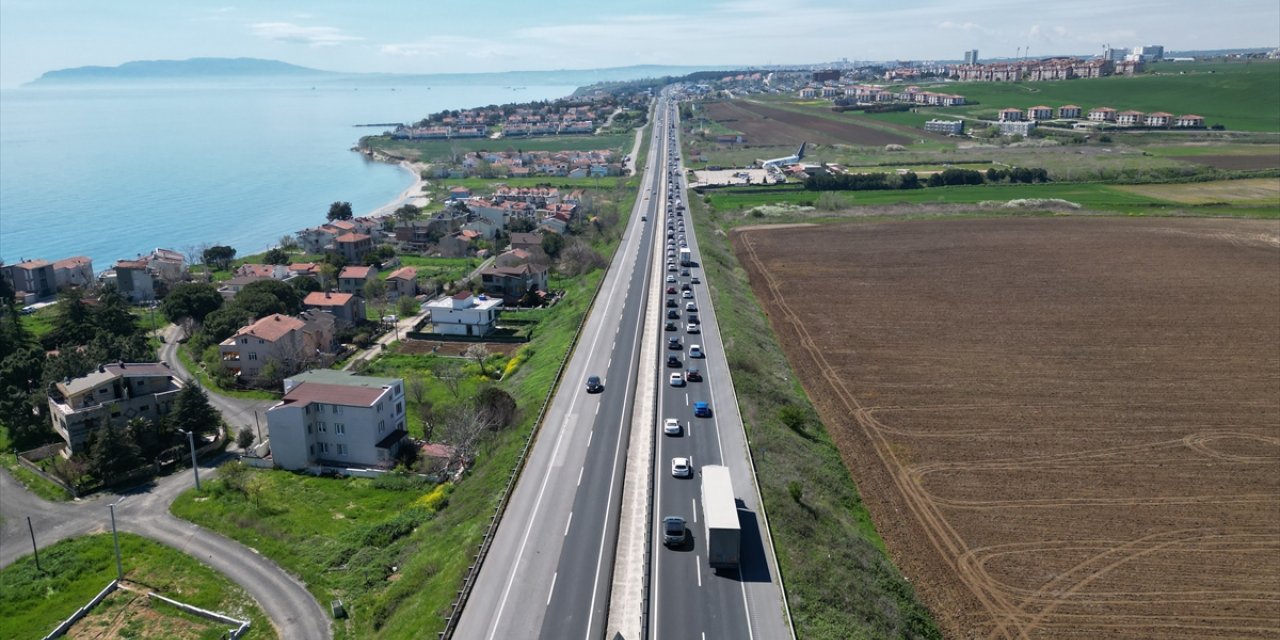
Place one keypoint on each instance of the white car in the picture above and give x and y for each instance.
(677, 380)
(681, 467)
(692, 328)
(695, 351)
(671, 427)
(671, 278)
(688, 293)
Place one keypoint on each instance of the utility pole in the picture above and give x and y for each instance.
(116, 537)
(191, 439)
(257, 425)
(34, 550)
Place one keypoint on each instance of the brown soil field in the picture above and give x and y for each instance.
(127, 613)
(1251, 190)
(1236, 161)
(764, 125)
(455, 349)
(1064, 427)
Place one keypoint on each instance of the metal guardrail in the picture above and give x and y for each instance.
(455, 611)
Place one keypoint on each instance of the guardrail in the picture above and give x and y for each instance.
(455, 610)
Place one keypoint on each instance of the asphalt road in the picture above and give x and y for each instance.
(548, 570)
(293, 611)
(688, 599)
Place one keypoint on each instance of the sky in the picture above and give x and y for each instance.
(430, 36)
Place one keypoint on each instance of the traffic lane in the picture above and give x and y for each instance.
(577, 604)
(539, 498)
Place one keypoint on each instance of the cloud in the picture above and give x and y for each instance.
(298, 34)
(959, 26)
(455, 47)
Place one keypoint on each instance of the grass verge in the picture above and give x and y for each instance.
(840, 581)
(207, 381)
(29, 479)
(33, 602)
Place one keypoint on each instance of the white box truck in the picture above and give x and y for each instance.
(720, 513)
(686, 257)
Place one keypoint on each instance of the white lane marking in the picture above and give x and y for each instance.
(552, 590)
(567, 523)
(590, 434)
(686, 399)
(747, 609)
(694, 503)
(597, 409)
(697, 562)
(580, 471)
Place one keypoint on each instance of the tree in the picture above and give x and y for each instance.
(340, 211)
(276, 255)
(462, 427)
(407, 306)
(328, 274)
(552, 244)
(408, 211)
(496, 407)
(449, 373)
(245, 439)
(479, 353)
(288, 242)
(305, 285)
(374, 289)
(152, 436)
(265, 297)
(219, 256)
(112, 314)
(417, 388)
(73, 324)
(221, 324)
(112, 451)
(69, 470)
(194, 300)
(192, 411)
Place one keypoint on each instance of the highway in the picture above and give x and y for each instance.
(548, 571)
(688, 599)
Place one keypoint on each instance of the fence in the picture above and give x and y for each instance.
(62, 629)
(241, 626)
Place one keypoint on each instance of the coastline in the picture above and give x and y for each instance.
(411, 195)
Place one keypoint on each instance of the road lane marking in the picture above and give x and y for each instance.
(590, 434)
(580, 471)
(694, 502)
(697, 562)
(597, 409)
(567, 523)
(553, 587)
(686, 399)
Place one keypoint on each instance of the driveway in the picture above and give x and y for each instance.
(145, 511)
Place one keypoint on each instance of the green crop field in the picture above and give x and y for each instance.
(1236, 95)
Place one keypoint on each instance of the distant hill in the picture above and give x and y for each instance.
(225, 69)
(195, 68)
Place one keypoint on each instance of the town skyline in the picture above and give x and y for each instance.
(36, 37)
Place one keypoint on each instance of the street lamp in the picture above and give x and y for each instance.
(191, 439)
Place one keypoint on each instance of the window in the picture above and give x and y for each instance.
(244, 341)
(311, 450)
(319, 408)
(379, 407)
(308, 429)
(320, 426)
(253, 356)
(339, 428)
(399, 408)
(324, 447)
(382, 426)
(342, 449)
(337, 408)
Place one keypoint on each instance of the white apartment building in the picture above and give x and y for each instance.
(113, 394)
(338, 419)
(464, 314)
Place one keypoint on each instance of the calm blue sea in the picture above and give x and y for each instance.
(114, 172)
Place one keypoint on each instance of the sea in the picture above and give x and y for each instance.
(112, 172)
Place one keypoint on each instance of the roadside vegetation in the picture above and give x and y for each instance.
(437, 150)
(33, 601)
(839, 579)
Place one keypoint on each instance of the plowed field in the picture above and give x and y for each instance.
(1064, 427)
(767, 126)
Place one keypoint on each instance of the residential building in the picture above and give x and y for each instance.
(167, 265)
(33, 279)
(352, 279)
(317, 239)
(273, 271)
(1150, 52)
(309, 269)
(134, 281)
(1069, 111)
(487, 229)
(337, 419)
(1102, 114)
(971, 56)
(946, 127)
(530, 242)
(464, 314)
(512, 283)
(458, 245)
(292, 343)
(73, 272)
(1189, 121)
(1158, 119)
(512, 258)
(353, 246)
(1130, 118)
(231, 288)
(348, 309)
(402, 282)
(1010, 115)
(809, 92)
(459, 193)
(1040, 113)
(1016, 128)
(112, 395)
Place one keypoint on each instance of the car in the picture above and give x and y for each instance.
(672, 427)
(594, 385)
(671, 266)
(692, 327)
(644, 218)
(673, 531)
(672, 314)
(701, 410)
(671, 302)
(671, 290)
(674, 361)
(693, 319)
(681, 468)
(695, 280)
(673, 343)
(687, 293)
(695, 351)
(693, 374)
(677, 380)
(684, 272)
(671, 278)
(691, 307)
(671, 326)
(685, 286)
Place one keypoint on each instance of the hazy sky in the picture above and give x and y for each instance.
(427, 36)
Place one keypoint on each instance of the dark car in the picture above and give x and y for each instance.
(686, 287)
(671, 302)
(671, 326)
(672, 314)
(693, 319)
(674, 361)
(673, 343)
(673, 530)
(594, 385)
(692, 374)
(671, 289)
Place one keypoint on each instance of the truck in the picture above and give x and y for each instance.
(686, 257)
(720, 513)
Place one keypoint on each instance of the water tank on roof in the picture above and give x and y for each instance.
(483, 297)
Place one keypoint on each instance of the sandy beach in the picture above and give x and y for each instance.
(411, 195)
